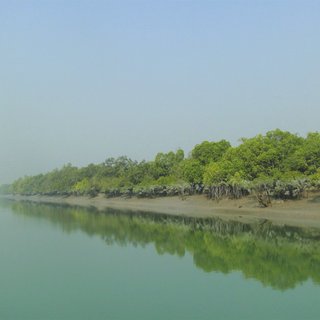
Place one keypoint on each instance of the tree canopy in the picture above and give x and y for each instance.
(276, 158)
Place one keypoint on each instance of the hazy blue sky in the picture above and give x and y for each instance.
(81, 81)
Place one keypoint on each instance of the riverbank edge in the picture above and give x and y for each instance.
(297, 213)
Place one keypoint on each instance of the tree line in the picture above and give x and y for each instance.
(278, 164)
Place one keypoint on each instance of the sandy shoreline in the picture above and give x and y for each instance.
(300, 213)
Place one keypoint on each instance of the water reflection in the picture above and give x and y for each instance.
(277, 257)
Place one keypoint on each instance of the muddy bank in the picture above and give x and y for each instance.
(301, 213)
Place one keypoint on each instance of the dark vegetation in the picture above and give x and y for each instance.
(280, 257)
(277, 165)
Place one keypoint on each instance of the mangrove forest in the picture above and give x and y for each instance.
(276, 165)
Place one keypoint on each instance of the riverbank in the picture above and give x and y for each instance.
(300, 213)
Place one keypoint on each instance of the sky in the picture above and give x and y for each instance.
(81, 81)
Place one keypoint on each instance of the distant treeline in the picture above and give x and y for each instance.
(278, 164)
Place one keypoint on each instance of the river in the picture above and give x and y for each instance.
(59, 262)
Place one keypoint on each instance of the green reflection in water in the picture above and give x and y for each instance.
(277, 257)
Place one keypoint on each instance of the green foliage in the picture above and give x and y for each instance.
(207, 152)
(279, 163)
(220, 172)
(82, 186)
(264, 155)
(316, 175)
(306, 159)
(192, 170)
(166, 164)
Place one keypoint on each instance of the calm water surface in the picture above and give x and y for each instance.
(69, 263)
